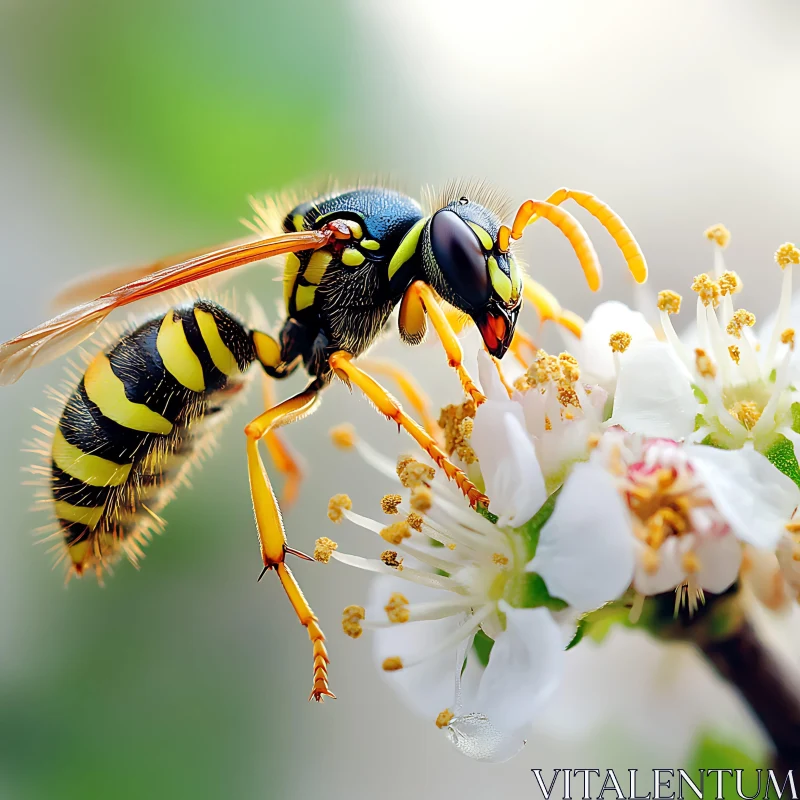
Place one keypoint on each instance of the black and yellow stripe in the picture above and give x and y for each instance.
(133, 417)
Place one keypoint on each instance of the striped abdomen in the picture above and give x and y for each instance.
(129, 430)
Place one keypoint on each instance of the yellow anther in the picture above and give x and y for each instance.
(444, 719)
(569, 367)
(718, 234)
(620, 341)
(323, 548)
(344, 436)
(453, 422)
(352, 617)
(389, 557)
(421, 499)
(392, 664)
(451, 545)
(787, 254)
(706, 289)
(593, 441)
(651, 561)
(747, 412)
(412, 472)
(337, 505)
(705, 366)
(390, 502)
(690, 563)
(499, 559)
(793, 525)
(729, 283)
(397, 609)
(415, 521)
(669, 301)
(787, 337)
(734, 353)
(521, 384)
(741, 319)
(396, 532)
(567, 396)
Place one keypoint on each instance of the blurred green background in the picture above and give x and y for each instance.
(132, 130)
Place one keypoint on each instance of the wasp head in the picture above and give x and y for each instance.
(463, 263)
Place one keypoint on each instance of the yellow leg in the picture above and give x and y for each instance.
(420, 298)
(549, 309)
(341, 362)
(412, 391)
(271, 534)
(521, 341)
(283, 456)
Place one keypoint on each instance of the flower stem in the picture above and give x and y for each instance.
(769, 685)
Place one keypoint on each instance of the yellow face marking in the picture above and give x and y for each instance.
(220, 353)
(352, 257)
(500, 281)
(516, 278)
(107, 392)
(290, 270)
(88, 516)
(268, 350)
(179, 359)
(355, 228)
(482, 235)
(92, 470)
(304, 297)
(317, 266)
(407, 247)
(370, 244)
(299, 222)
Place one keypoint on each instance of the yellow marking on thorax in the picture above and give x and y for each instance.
(370, 244)
(299, 222)
(500, 281)
(483, 236)
(268, 351)
(407, 247)
(317, 265)
(107, 392)
(89, 469)
(290, 270)
(220, 353)
(89, 516)
(179, 359)
(304, 296)
(352, 257)
(516, 278)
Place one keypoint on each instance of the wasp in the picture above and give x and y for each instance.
(144, 406)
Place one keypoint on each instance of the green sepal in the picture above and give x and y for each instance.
(529, 532)
(528, 590)
(782, 456)
(482, 645)
(796, 417)
(699, 422)
(583, 625)
(699, 395)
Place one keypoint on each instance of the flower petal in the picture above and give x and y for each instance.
(507, 458)
(720, 558)
(523, 671)
(654, 394)
(586, 550)
(754, 496)
(670, 572)
(490, 379)
(476, 737)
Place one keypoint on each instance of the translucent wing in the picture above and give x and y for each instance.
(60, 334)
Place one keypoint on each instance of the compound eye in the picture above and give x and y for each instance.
(460, 258)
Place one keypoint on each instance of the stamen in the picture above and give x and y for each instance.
(690, 563)
(451, 420)
(734, 353)
(396, 532)
(569, 367)
(352, 617)
(729, 283)
(620, 341)
(669, 301)
(499, 559)
(705, 366)
(651, 561)
(344, 436)
(337, 506)
(740, 320)
(392, 664)
(397, 609)
(412, 472)
(444, 719)
(787, 254)
(421, 499)
(747, 412)
(787, 337)
(323, 549)
(390, 502)
(389, 557)
(707, 290)
(718, 234)
(415, 521)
